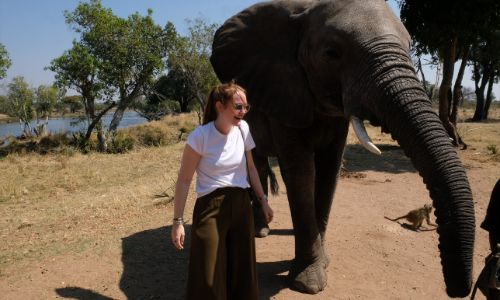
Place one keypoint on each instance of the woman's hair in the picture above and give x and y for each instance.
(224, 93)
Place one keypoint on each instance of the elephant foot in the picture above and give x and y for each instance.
(262, 231)
(309, 279)
(325, 260)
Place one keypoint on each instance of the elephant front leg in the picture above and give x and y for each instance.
(328, 160)
(296, 161)
(307, 272)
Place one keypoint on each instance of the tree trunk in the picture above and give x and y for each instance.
(457, 88)
(449, 54)
(28, 131)
(479, 112)
(97, 119)
(120, 110)
(117, 117)
(424, 82)
(44, 129)
(125, 102)
(489, 96)
(102, 144)
(184, 104)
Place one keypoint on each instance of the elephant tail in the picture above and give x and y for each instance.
(272, 180)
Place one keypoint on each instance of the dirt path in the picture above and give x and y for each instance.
(371, 257)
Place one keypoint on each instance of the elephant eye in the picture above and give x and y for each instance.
(332, 53)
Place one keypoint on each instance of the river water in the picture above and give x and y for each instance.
(71, 125)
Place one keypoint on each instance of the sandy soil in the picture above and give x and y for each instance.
(371, 257)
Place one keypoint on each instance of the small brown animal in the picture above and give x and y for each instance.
(417, 216)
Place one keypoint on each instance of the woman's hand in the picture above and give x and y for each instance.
(178, 235)
(268, 212)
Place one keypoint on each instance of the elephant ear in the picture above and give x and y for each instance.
(258, 48)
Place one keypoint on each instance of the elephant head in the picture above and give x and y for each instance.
(300, 60)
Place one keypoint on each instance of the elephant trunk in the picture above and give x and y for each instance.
(405, 111)
(424, 139)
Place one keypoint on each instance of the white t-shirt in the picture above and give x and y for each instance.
(223, 161)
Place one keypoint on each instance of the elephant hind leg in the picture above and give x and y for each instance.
(261, 227)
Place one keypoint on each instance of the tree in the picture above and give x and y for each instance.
(191, 56)
(175, 86)
(3, 105)
(170, 94)
(78, 69)
(429, 88)
(486, 70)
(44, 104)
(73, 103)
(446, 29)
(130, 51)
(20, 103)
(160, 99)
(5, 61)
(155, 109)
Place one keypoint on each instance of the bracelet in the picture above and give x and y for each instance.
(263, 198)
(178, 221)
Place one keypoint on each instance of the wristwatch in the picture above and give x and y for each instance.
(263, 198)
(178, 221)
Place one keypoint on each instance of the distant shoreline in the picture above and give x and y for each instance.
(6, 119)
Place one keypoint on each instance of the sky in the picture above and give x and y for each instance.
(34, 32)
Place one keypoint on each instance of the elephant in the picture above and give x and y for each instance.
(310, 68)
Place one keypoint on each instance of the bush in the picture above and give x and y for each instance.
(52, 143)
(120, 143)
(168, 131)
(152, 136)
(492, 148)
(81, 143)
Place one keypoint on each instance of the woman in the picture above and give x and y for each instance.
(222, 257)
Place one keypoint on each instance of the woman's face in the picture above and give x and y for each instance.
(235, 110)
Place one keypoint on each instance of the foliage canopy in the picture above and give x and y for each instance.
(5, 61)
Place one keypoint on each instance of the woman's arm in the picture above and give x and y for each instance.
(189, 162)
(257, 187)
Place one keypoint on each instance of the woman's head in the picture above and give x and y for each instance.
(225, 94)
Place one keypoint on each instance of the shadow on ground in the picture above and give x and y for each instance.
(393, 160)
(154, 269)
(80, 293)
(281, 232)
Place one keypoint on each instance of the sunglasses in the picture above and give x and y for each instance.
(239, 106)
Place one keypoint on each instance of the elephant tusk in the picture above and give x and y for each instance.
(359, 129)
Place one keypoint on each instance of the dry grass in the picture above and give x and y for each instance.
(57, 203)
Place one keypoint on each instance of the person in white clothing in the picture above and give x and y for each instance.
(222, 262)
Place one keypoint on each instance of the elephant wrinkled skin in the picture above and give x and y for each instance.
(311, 66)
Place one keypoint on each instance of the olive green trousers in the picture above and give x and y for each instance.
(222, 255)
